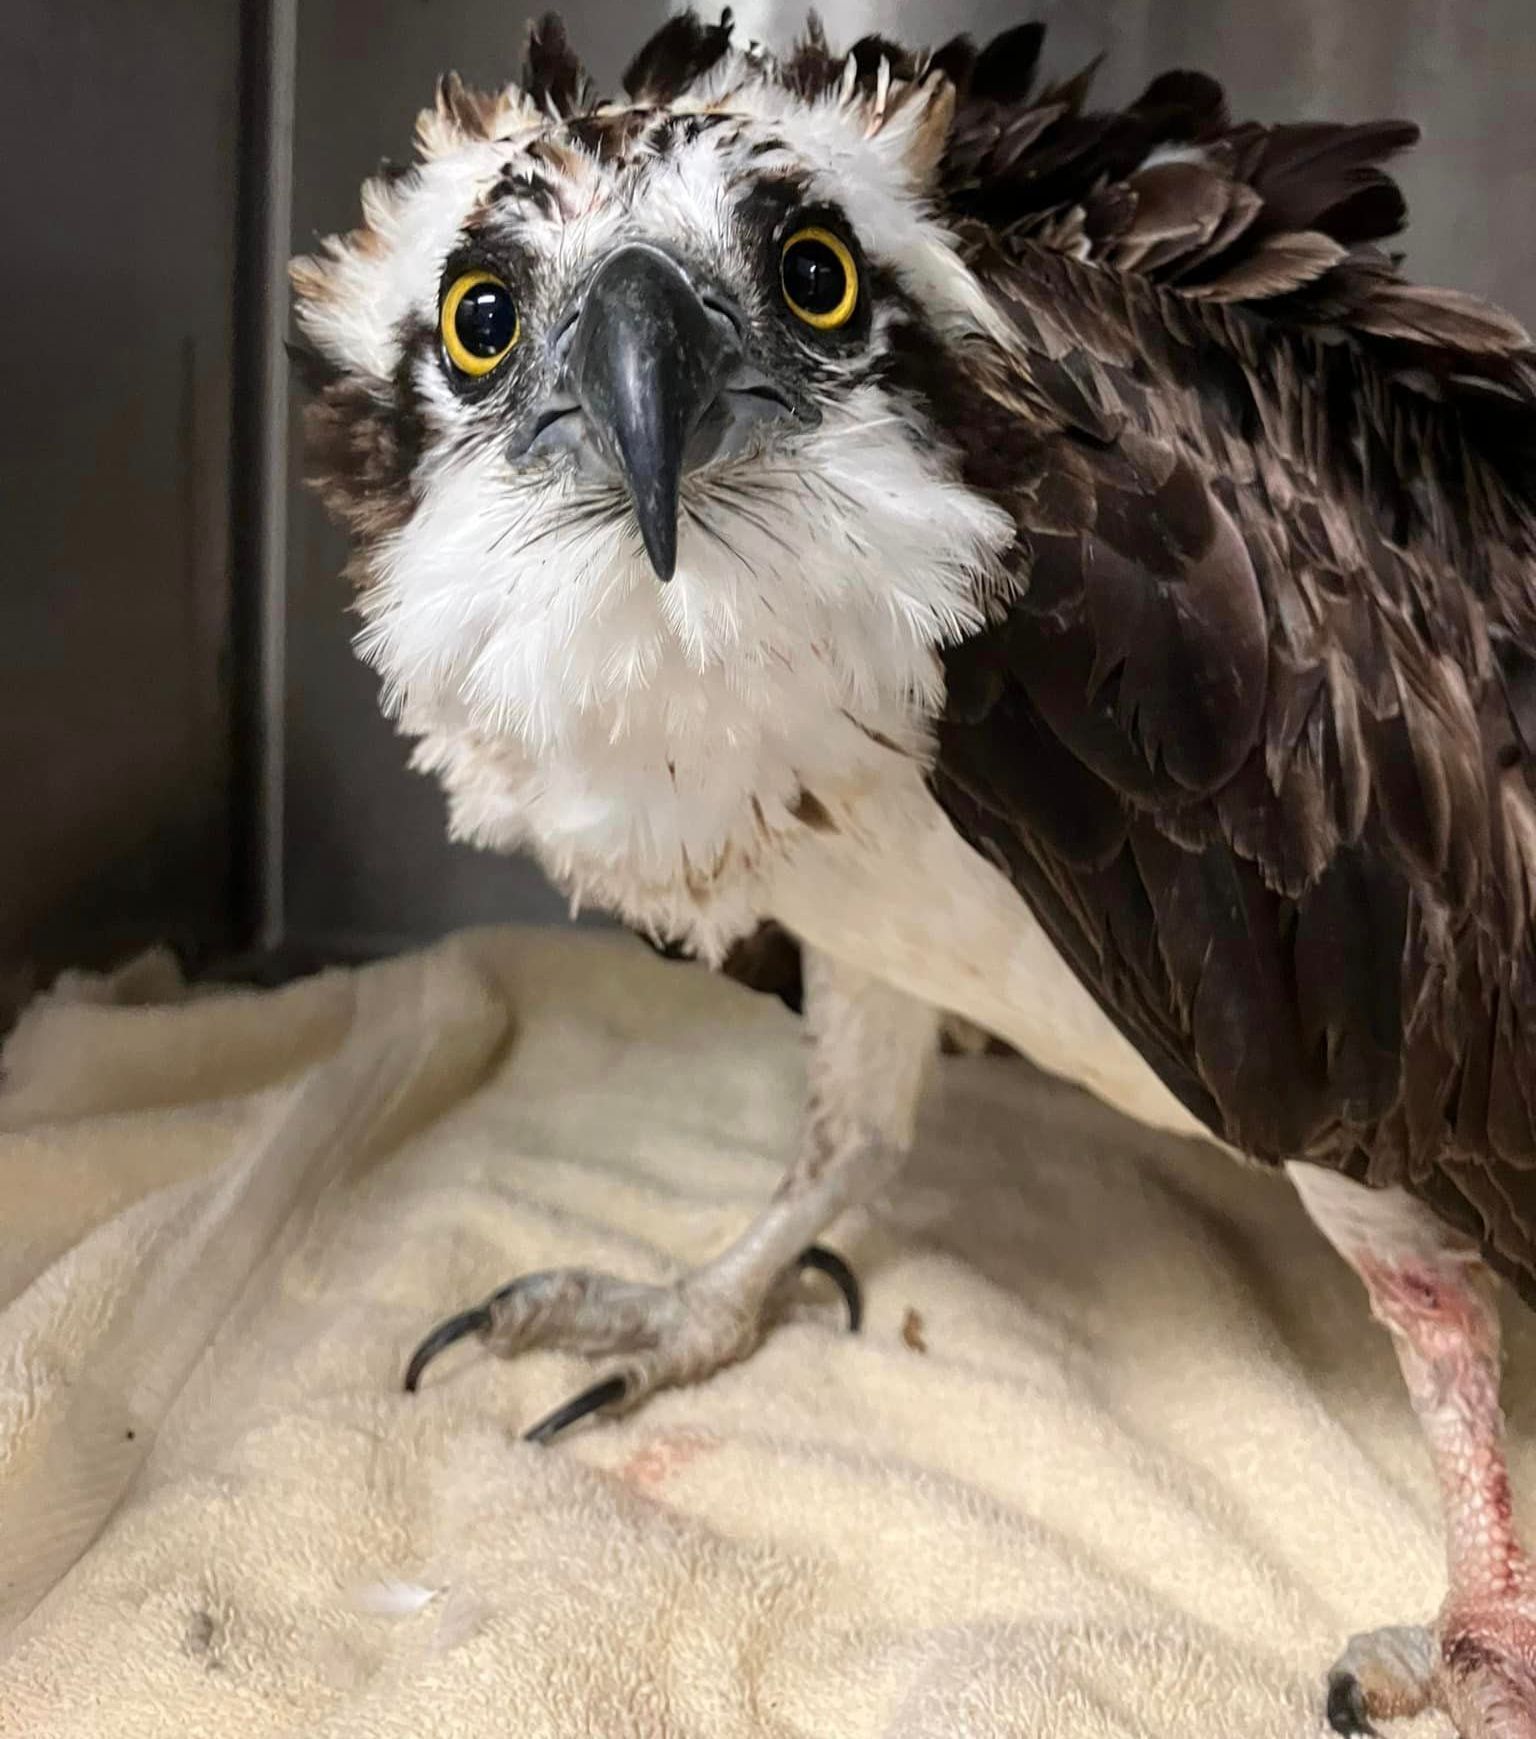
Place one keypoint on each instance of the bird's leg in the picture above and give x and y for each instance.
(869, 1048)
(1477, 1661)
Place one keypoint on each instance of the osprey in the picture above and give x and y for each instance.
(1050, 562)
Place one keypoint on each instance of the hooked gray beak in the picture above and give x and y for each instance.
(662, 385)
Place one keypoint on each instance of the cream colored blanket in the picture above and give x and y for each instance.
(1118, 1452)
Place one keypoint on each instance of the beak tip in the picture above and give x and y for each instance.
(661, 548)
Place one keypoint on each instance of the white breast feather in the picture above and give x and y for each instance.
(896, 892)
(648, 741)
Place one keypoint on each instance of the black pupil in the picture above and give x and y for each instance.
(815, 279)
(485, 321)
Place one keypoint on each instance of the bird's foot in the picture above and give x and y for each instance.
(1381, 1674)
(1477, 1665)
(665, 1335)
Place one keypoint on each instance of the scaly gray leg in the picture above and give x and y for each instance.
(869, 1049)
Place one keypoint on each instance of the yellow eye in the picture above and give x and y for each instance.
(819, 279)
(479, 323)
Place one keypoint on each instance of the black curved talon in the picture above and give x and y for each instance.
(1346, 1707)
(828, 1262)
(604, 1394)
(476, 1321)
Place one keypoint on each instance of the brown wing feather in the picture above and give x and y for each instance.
(1253, 734)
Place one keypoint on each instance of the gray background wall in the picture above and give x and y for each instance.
(119, 709)
(118, 126)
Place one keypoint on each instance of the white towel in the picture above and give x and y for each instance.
(1119, 1451)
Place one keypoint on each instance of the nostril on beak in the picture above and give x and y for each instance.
(550, 415)
(560, 337)
(725, 313)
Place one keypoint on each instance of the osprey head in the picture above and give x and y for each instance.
(582, 348)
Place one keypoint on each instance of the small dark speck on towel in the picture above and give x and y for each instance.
(204, 1639)
(912, 1331)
